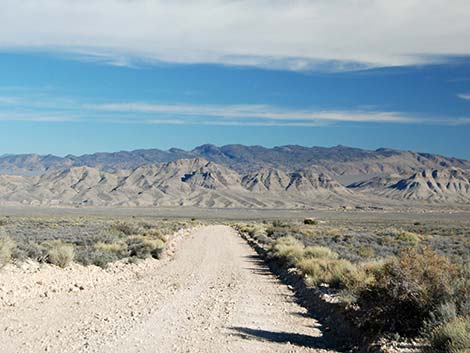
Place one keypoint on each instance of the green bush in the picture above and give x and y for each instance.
(124, 228)
(462, 285)
(96, 256)
(279, 223)
(35, 251)
(320, 252)
(319, 264)
(310, 221)
(6, 250)
(115, 248)
(408, 237)
(443, 314)
(101, 254)
(327, 271)
(59, 253)
(155, 233)
(405, 292)
(365, 251)
(452, 337)
(287, 249)
(143, 247)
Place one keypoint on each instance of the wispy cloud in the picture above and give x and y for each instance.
(464, 96)
(9, 100)
(60, 109)
(265, 112)
(37, 117)
(235, 123)
(294, 35)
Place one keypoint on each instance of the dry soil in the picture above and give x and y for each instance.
(212, 295)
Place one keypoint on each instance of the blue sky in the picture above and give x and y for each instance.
(207, 81)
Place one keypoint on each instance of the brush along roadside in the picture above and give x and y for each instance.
(86, 241)
(383, 303)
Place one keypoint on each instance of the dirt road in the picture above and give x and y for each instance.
(214, 295)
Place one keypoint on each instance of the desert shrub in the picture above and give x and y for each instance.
(279, 223)
(6, 250)
(143, 247)
(443, 314)
(124, 228)
(405, 292)
(156, 233)
(243, 227)
(365, 251)
(338, 271)
(328, 271)
(34, 251)
(361, 276)
(278, 231)
(318, 264)
(59, 253)
(401, 235)
(307, 231)
(101, 254)
(256, 231)
(287, 249)
(333, 233)
(263, 239)
(115, 248)
(96, 256)
(310, 221)
(320, 252)
(94, 239)
(356, 280)
(452, 337)
(313, 269)
(408, 237)
(462, 285)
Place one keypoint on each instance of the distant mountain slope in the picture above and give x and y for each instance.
(237, 176)
(343, 162)
(446, 185)
(266, 180)
(185, 182)
(307, 181)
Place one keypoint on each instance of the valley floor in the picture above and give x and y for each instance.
(213, 295)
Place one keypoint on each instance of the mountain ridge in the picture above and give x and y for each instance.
(339, 160)
(288, 176)
(184, 182)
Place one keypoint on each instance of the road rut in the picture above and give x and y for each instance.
(213, 295)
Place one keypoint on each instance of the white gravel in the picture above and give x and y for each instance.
(213, 295)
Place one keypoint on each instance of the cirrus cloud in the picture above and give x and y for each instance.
(38, 108)
(295, 35)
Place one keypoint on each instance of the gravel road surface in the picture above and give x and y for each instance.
(212, 295)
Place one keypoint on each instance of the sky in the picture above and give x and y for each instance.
(110, 75)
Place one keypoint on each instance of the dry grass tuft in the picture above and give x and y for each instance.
(452, 337)
(405, 291)
(143, 247)
(288, 249)
(59, 253)
(6, 250)
(320, 252)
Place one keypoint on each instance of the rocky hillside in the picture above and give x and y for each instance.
(236, 176)
(447, 185)
(186, 182)
(347, 164)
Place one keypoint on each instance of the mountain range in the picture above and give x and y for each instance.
(237, 176)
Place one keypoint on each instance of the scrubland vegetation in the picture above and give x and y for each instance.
(410, 281)
(88, 241)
